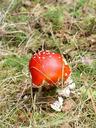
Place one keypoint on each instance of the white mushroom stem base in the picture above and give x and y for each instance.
(63, 92)
(68, 89)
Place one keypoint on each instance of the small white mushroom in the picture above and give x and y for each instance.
(60, 99)
(57, 105)
(71, 86)
(65, 61)
(64, 92)
(70, 83)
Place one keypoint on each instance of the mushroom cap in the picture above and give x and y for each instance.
(48, 66)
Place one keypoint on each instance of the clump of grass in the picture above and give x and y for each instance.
(56, 16)
(15, 62)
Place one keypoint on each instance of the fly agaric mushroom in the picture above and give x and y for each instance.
(48, 66)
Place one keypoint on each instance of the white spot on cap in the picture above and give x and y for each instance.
(47, 50)
(53, 53)
(34, 57)
(39, 57)
(50, 56)
(39, 53)
(43, 57)
(59, 57)
(48, 53)
(43, 52)
(65, 74)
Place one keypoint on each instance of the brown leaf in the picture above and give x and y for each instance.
(87, 60)
(65, 125)
(2, 32)
(22, 117)
(65, 1)
(69, 104)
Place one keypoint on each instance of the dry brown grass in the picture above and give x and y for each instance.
(67, 28)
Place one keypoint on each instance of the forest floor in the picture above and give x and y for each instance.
(64, 26)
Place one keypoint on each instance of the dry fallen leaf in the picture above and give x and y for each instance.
(66, 1)
(22, 117)
(65, 125)
(87, 60)
(69, 104)
(2, 32)
(59, 1)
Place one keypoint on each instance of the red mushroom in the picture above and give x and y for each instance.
(48, 66)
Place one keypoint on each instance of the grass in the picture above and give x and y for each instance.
(67, 28)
